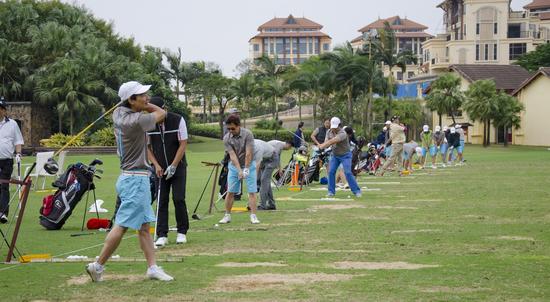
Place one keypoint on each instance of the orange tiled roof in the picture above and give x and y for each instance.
(536, 4)
(403, 24)
(290, 22)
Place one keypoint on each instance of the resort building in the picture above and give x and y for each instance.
(409, 35)
(289, 40)
(486, 32)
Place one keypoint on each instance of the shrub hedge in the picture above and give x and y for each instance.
(213, 131)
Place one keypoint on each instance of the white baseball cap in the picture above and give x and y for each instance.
(335, 123)
(453, 130)
(388, 122)
(426, 128)
(418, 150)
(458, 126)
(437, 128)
(128, 89)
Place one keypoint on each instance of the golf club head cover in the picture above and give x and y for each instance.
(95, 223)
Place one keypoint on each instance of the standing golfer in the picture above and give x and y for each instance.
(341, 154)
(319, 134)
(133, 186)
(239, 143)
(167, 144)
(267, 201)
(397, 138)
(10, 140)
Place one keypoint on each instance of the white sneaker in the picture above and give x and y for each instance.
(358, 195)
(254, 219)
(226, 219)
(95, 270)
(157, 273)
(161, 241)
(181, 238)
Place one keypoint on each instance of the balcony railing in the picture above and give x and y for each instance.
(517, 15)
(524, 34)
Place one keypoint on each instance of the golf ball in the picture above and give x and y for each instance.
(349, 196)
(216, 225)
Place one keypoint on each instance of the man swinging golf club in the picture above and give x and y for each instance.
(167, 144)
(132, 185)
(239, 143)
(10, 140)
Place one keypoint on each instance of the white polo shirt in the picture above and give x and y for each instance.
(10, 136)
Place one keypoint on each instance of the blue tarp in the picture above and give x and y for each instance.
(410, 91)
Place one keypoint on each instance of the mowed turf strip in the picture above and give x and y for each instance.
(475, 232)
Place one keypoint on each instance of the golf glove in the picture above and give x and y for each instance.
(170, 171)
(246, 172)
(18, 158)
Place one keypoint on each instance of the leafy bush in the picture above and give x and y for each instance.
(213, 131)
(266, 124)
(103, 137)
(59, 140)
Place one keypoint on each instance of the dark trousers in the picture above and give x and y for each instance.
(177, 184)
(6, 168)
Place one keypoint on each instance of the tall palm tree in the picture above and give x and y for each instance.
(385, 51)
(445, 96)
(508, 113)
(481, 104)
(243, 90)
(300, 82)
(269, 73)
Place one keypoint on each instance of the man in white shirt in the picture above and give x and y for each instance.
(11, 141)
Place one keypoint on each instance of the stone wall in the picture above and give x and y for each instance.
(33, 120)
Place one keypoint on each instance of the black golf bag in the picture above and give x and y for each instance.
(222, 179)
(356, 155)
(71, 187)
(313, 167)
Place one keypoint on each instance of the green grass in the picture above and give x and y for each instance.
(462, 213)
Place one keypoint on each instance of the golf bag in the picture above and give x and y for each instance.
(356, 154)
(71, 187)
(313, 168)
(222, 179)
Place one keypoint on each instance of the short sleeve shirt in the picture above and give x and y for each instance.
(409, 147)
(342, 146)
(131, 138)
(397, 133)
(238, 143)
(278, 146)
(10, 136)
(262, 150)
(438, 138)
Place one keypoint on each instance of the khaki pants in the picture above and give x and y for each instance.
(396, 157)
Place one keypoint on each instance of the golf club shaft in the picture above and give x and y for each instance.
(158, 206)
(294, 134)
(79, 134)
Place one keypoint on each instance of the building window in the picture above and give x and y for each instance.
(302, 46)
(294, 45)
(410, 74)
(317, 46)
(477, 52)
(517, 50)
(495, 52)
(495, 29)
(477, 29)
(326, 47)
(399, 76)
(256, 47)
(486, 54)
(279, 47)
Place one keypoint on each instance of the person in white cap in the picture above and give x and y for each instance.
(438, 138)
(454, 143)
(341, 154)
(460, 149)
(397, 139)
(426, 141)
(132, 186)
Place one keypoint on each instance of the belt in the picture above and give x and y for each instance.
(135, 173)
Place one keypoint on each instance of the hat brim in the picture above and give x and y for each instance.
(334, 126)
(143, 89)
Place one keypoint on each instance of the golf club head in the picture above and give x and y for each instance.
(195, 216)
(96, 161)
(51, 166)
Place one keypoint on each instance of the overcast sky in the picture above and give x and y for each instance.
(219, 30)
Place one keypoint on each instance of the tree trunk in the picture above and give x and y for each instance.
(505, 136)
(60, 122)
(177, 89)
(245, 112)
(314, 110)
(71, 121)
(390, 95)
(364, 119)
(276, 110)
(300, 105)
(440, 119)
(210, 111)
(370, 117)
(488, 133)
(274, 113)
(204, 109)
(350, 105)
(220, 119)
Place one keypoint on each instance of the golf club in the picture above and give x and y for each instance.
(51, 166)
(195, 215)
(303, 140)
(158, 206)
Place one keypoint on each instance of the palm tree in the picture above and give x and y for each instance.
(243, 90)
(385, 51)
(445, 96)
(268, 71)
(481, 104)
(508, 113)
(299, 81)
(350, 67)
